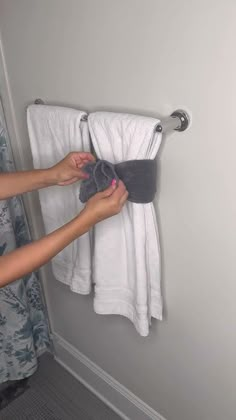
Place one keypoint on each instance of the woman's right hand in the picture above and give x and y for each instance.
(106, 203)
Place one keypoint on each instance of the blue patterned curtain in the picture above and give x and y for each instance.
(23, 325)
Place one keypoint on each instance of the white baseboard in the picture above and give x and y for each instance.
(104, 386)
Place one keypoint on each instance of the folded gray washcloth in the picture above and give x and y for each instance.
(139, 177)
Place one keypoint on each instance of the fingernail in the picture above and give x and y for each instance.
(113, 182)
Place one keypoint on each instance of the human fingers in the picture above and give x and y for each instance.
(124, 198)
(107, 192)
(81, 158)
(120, 190)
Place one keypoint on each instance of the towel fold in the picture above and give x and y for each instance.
(101, 174)
(139, 177)
(54, 132)
(126, 246)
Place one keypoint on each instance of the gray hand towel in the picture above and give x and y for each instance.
(139, 177)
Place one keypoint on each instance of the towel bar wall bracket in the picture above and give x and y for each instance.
(39, 101)
(178, 121)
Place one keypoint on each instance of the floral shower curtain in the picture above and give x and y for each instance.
(23, 325)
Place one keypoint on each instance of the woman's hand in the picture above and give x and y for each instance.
(107, 203)
(70, 169)
(28, 258)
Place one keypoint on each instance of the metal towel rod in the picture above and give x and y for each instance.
(179, 120)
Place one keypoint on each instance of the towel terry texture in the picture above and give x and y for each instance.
(54, 132)
(126, 247)
(139, 177)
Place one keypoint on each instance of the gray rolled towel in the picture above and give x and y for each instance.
(139, 177)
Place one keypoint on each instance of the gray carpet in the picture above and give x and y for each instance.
(54, 394)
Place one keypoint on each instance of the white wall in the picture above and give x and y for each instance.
(150, 56)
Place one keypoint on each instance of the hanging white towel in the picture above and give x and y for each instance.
(54, 132)
(126, 249)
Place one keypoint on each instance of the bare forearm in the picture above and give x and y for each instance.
(20, 182)
(30, 257)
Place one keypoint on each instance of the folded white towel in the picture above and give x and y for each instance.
(126, 249)
(54, 132)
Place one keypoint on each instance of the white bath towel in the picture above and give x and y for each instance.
(54, 132)
(126, 249)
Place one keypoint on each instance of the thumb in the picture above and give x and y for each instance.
(109, 191)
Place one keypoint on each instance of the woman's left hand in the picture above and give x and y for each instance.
(70, 169)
